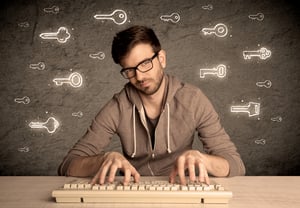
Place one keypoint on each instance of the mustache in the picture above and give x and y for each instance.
(142, 81)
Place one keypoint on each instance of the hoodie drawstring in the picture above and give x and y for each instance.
(134, 133)
(168, 126)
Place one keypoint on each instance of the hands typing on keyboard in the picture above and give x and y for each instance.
(147, 190)
(191, 160)
(106, 187)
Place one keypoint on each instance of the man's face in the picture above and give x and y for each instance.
(146, 82)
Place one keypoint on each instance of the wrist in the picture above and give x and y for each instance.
(216, 165)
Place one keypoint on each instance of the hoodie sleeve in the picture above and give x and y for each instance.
(86, 156)
(213, 136)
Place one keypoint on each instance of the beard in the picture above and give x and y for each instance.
(152, 88)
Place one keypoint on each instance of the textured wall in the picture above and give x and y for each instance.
(256, 95)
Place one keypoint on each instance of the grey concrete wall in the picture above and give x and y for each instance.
(268, 140)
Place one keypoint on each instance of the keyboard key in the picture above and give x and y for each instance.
(67, 186)
(74, 186)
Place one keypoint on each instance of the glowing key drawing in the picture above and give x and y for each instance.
(75, 80)
(219, 71)
(78, 114)
(208, 7)
(253, 109)
(260, 141)
(262, 53)
(24, 24)
(258, 16)
(118, 16)
(266, 84)
(38, 66)
(23, 149)
(174, 17)
(54, 9)
(24, 100)
(277, 119)
(62, 35)
(219, 30)
(50, 125)
(100, 55)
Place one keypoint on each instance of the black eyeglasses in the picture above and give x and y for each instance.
(143, 67)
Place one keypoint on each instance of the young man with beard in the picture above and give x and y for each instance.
(155, 115)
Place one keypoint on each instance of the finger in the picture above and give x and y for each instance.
(127, 175)
(136, 175)
(191, 167)
(112, 172)
(103, 172)
(206, 178)
(95, 179)
(180, 170)
(173, 175)
(203, 175)
(201, 172)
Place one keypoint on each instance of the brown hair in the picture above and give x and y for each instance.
(127, 39)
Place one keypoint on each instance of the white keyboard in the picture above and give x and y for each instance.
(149, 190)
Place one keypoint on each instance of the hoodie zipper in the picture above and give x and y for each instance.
(142, 113)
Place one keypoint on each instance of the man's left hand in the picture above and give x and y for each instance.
(191, 160)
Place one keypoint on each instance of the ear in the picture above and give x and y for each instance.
(162, 58)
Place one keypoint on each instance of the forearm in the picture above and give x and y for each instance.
(216, 165)
(83, 166)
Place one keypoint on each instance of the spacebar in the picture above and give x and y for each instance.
(174, 197)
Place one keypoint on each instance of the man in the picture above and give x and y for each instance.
(155, 115)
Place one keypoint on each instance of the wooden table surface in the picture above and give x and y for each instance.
(248, 191)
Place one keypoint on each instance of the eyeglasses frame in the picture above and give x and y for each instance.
(136, 67)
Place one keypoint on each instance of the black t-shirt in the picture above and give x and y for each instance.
(152, 123)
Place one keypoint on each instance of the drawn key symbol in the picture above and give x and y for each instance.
(262, 53)
(219, 71)
(118, 16)
(219, 30)
(266, 84)
(174, 17)
(62, 35)
(24, 100)
(258, 16)
(253, 109)
(51, 125)
(75, 80)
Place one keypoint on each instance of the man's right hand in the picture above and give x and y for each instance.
(111, 163)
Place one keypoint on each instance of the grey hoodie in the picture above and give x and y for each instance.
(185, 110)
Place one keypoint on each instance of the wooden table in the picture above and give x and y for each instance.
(248, 191)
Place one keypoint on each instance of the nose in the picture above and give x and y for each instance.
(139, 75)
